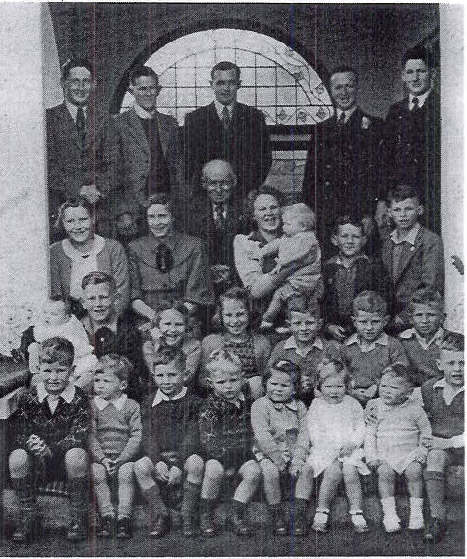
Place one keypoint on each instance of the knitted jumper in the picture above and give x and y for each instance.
(116, 434)
(446, 420)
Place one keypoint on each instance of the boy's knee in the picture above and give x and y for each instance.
(194, 465)
(76, 462)
(270, 470)
(251, 472)
(143, 467)
(413, 471)
(437, 460)
(18, 463)
(385, 471)
(214, 469)
(125, 472)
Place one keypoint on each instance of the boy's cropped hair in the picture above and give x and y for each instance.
(142, 72)
(347, 220)
(303, 214)
(429, 297)
(339, 368)
(97, 278)
(76, 63)
(220, 355)
(57, 349)
(293, 370)
(397, 370)
(178, 363)
(371, 302)
(176, 305)
(420, 53)
(225, 65)
(118, 365)
(303, 304)
(452, 341)
(403, 192)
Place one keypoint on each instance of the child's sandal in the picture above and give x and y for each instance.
(358, 521)
(321, 520)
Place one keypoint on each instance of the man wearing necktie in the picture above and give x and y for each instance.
(144, 151)
(72, 151)
(217, 215)
(342, 171)
(228, 130)
(413, 135)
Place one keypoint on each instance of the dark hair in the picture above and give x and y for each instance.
(343, 70)
(224, 66)
(57, 349)
(78, 202)
(143, 72)
(303, 304)
(160, 198)
(239, 294)
(348, 220)
(403, 192)
(425, 296)
(97, 278)
(176, 305)
(293, 370)
(118, 365)
(340, 369)
(419, 53)
(398, 370)
(76, 63)
(369, 301)
(452, 341)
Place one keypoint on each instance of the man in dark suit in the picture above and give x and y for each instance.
(144, 153)
(413, 136)
(217, 215)
(72, 150)
(227, 130)
(343, 161)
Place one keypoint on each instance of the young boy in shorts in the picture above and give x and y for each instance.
(50, 433)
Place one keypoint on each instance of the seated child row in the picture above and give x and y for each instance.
(179, 439)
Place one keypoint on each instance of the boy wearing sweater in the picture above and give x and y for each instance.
(171, 448)
(115, 443)
(49, 435)
(370, 350)
(422, 341)
(444, 404)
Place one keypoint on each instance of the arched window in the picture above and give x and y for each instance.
(275, 79)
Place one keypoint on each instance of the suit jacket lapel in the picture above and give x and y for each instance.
(408, 255)
(68, 125)
(135, 129)
(164, 133)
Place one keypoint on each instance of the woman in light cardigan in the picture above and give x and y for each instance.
(83, 252)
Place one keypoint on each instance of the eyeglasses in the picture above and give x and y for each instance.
(224, 184)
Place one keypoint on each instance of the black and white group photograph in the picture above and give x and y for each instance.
(232, 263)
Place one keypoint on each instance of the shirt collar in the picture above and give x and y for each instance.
(348, 113)
(142, 113)
(412, 333)
(290, 343)
(449, 393)
(169, 241)
(73, 110)
(118, 403)
(421, 98)
(355, 339)
(292, 405)
(409, 238)
(68, 394)
(220, 108)
(161, 397)
(337, 260)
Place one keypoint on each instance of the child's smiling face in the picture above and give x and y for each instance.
(304, 326)
(169, 379)
(56, 375)
(405, 213)
(451, 363)
(172, 325)
(349, 240)
(234, 316)
(369, 325)
(279, 387)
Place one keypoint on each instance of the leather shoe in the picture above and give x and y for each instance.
(161, 526)
(435, 530)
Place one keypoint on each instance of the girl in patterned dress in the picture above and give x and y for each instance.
(253, 349)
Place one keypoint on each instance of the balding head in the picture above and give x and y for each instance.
(219, 180)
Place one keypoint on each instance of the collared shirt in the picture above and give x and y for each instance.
(409, 238)
(142, 113)
(52, 399)
(412, 333)
(449, 392)
(118, 403)
(290, 343)
(355, 339)
(216, 209)
(161, 397)
(345, 283)
(348, 113)
(400, 246)
(220, 108)
(421, 99)
(73, 110)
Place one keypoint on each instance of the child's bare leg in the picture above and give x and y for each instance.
(20, 472)
(251, 476)
(194, 469)
(126, 490)
(304, 485)
(271, 482)
(102, 490)
(353, 487)
(331, 478)
(386, 478)
(256, 387)
(213, 476)
(19, 464)
(413, 474)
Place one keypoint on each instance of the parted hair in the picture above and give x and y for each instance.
(118, 365)
(57, 349)
(176, 305)
(425, 296)
(97, 278)
(403, 192)
(143, 71)
(76, 63)
(223, 66)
